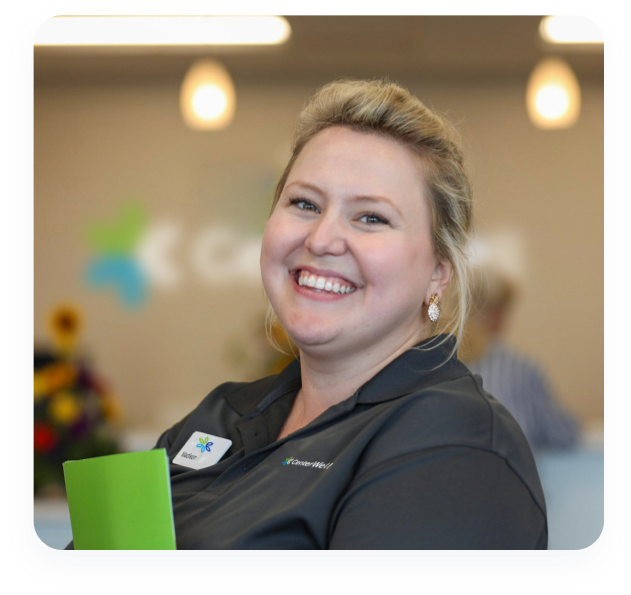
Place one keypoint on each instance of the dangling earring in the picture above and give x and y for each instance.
(433, 311)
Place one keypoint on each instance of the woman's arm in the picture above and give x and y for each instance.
(441, 498)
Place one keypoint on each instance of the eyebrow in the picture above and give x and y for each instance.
(356, 199)
(377, 199)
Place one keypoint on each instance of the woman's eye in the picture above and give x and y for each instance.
(373, 219)
(303, 204)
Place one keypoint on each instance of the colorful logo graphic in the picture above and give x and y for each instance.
(135, 255)
(204, 445)
(287, 460)
(115, 262)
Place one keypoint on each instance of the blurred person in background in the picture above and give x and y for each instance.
(517, 381)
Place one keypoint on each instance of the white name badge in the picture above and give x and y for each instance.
(202, 450)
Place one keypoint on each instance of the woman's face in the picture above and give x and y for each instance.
(347, 258)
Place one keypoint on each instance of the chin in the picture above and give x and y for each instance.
(308, 333)
(305, 339)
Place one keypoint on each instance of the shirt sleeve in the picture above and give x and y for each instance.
(553, 427)
(521, 385)
(441, 498)
(167, 438)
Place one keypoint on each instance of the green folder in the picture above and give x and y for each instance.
(121, 502)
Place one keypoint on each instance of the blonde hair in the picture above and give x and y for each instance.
(384, 108)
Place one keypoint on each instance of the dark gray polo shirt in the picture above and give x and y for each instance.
(417, 458)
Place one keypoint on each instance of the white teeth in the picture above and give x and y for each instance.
(323, 284)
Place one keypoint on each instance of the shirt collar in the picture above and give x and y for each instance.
(257, 395)
(424, 365)
(428, 363)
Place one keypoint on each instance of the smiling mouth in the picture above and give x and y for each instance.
(323, 284)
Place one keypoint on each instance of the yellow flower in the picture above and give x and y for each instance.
(59, 375)
(40, 385)
(65, 408)
(64, 324)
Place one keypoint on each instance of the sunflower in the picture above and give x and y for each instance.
(64, 324)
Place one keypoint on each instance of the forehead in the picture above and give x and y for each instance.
(341, 159)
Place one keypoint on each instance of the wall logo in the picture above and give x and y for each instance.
(314, 464)
(115, 262)
(134, 255)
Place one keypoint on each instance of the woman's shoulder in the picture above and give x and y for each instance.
(456, 411)
(457, 415)
(227, 402)
(450, 430)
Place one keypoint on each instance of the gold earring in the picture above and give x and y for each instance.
(433, 311)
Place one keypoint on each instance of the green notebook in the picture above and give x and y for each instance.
(121, 502)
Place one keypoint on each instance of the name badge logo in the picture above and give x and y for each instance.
(204, 444)
(202, 450)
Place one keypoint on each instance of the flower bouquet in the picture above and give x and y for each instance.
(75, 413)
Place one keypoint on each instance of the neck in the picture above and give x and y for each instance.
(330, 377)
(328, 380)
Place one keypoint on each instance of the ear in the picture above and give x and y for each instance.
(441, 277)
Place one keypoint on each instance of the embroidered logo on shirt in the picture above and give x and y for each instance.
(314, 464)
(192, 458)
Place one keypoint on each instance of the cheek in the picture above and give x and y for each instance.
(398, 266)
(268, 250)
(277, 244)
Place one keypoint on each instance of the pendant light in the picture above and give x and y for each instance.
(207, 96)
(553, 95)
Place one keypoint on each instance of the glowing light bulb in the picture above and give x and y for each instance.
(553, 96)
(207, 96)
(209, 102)
(552, 101)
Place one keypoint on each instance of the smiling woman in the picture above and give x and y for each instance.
(352, 215)
(377, 436)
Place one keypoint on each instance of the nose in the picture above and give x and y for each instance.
(327, 236)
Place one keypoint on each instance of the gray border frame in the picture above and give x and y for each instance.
(294, 567)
